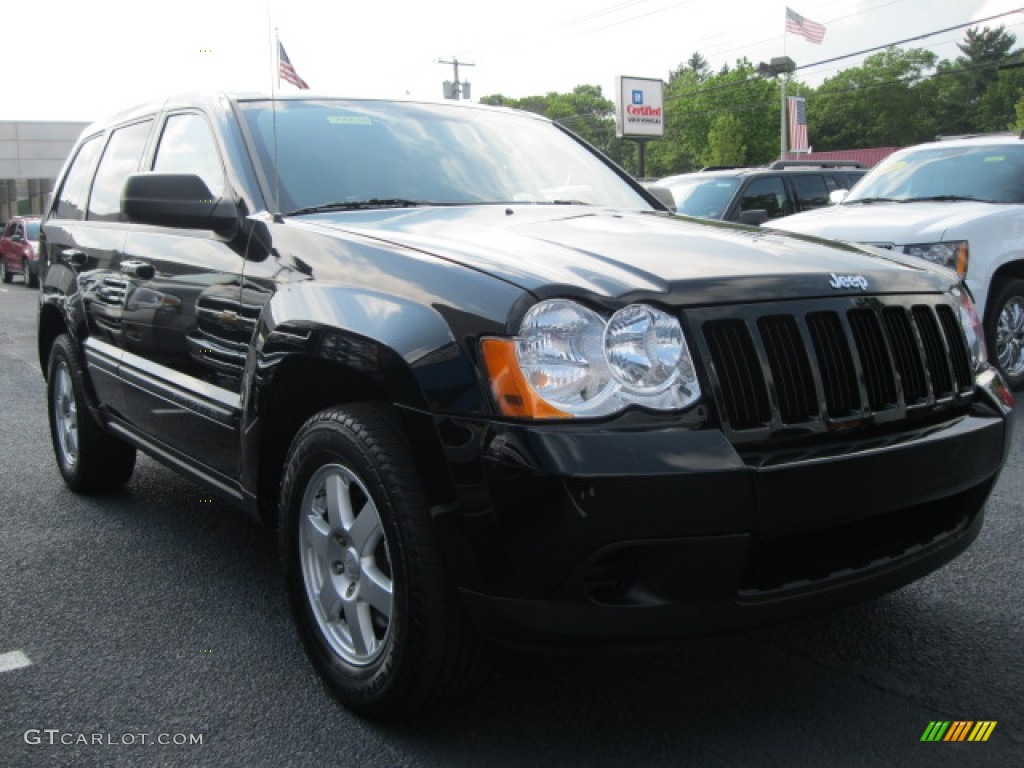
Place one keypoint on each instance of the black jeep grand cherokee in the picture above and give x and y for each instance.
(486, 386)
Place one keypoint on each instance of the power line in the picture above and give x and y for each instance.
(910, 39)
(756, 78)
(828, 22)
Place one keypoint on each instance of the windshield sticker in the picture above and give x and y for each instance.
(892, 167)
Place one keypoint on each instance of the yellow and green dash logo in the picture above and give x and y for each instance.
(958, 730)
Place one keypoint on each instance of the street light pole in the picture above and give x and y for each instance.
(779, 66)
(782, 120)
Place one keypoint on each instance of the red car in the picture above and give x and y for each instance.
(18, 250)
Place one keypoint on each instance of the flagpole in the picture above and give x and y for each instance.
(276, 80)
(782, 105)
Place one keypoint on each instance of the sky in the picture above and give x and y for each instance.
(90, 58)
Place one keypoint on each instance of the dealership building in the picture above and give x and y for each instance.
(31, 156)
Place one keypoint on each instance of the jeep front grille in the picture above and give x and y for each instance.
(829, 365)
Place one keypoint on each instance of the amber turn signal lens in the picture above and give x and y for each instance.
(962, 257)
(514, 396)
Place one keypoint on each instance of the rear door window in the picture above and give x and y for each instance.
(767, 194)
(71, 200)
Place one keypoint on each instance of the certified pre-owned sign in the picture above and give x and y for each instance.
(641, 112)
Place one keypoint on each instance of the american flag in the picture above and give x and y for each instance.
(286, 71)
(798, 124)
(811, 31)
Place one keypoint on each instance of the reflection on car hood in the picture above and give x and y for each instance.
(899, 223)
(613, 253)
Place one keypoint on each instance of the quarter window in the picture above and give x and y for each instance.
(768, 194)
(71, 201)
(188, 146)
(120, 159)
(810, 190)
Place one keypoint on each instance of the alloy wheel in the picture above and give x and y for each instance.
(1009, 337)
(65, 415)
(346, 567)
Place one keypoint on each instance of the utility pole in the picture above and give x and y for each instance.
(455, 89)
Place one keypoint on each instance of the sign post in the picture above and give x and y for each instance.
(641, 113)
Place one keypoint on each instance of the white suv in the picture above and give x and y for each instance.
(958, 203)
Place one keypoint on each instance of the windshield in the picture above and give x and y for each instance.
(990, 173)
(32, 230)
(333, 153)
(703, 197)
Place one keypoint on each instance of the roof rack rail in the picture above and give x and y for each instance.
(722, 167)
(816, 164)
(941, 137)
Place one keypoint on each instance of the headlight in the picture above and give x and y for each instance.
(973, 330)
(559, 353)
(569, 362)
(952, 255)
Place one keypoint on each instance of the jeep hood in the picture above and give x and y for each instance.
(895, 223)
(566, 250)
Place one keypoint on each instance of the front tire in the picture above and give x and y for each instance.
(5, 274)
(366, 582)
(88, 458)
(1005, 330)
(31, 281)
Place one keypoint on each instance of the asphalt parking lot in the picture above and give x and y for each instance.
(150, 627)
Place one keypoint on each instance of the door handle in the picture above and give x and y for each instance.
(136, 268)
(75, 257)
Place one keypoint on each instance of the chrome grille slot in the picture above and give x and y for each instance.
(835, 363)
(879, 377)
(790, 368)
(906, 355)
(934, 351)
(739, 370)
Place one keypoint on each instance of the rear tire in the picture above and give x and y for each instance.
(367, 585)
(89, 459)
(1004, 330)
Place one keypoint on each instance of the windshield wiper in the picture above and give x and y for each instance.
(944, 198)
(359, 205)
(872, 200)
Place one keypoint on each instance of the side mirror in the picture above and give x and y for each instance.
(664, 196)
(837, 196)
(755, 217)
(176, 200)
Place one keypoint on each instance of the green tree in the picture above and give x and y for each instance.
(996, 107)
(883, 102)
(989, 90)
(696, 65)
(986, 46)
(694, 105)
(725, 142)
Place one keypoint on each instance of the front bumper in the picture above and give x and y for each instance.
(564, 534)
